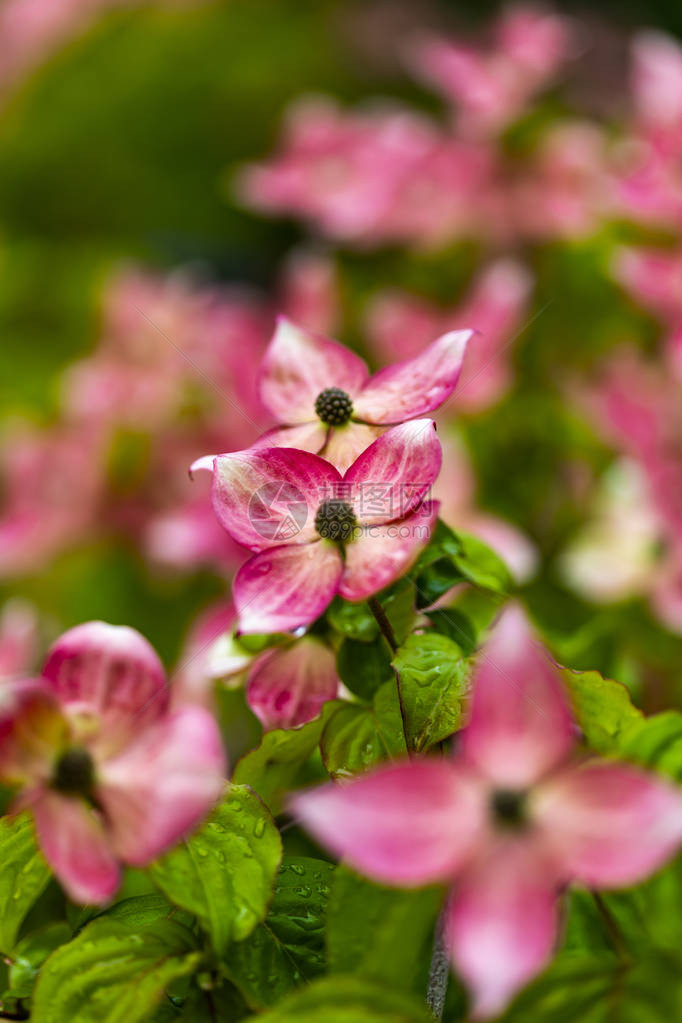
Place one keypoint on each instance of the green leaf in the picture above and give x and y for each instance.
(358, 736)
(224, 873)
(288, 948)
(656, 742)
(23, 876)
(480, 565)
(363, 667)
(142, 910)
(378, 932)
(600, 988)
(435, 571)
(451, 622)
(343, 999)
(602, 707)
(30, 954)
(433, 678)
(272, 768)
(353, 620)
(110, 974)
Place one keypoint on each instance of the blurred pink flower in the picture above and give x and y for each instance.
(490, 89)
(400, 325)
(384, 174)
(455, 490)
(510, 821)
(52, 483)
(297, 512)
(110, 774)
(18, 638)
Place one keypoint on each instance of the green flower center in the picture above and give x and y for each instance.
(508, 808)
(333, 406)
(74, 773)
(335, 520)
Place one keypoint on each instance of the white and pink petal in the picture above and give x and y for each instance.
(289, 686)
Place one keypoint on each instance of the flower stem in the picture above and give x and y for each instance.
(389, 635)
(439, 971)
(383, 623)
(614, 932)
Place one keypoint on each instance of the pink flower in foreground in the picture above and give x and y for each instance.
(18, 638)
(317, 533)
(110, 774)
(323, 392)
(510, 821)
(286, 685)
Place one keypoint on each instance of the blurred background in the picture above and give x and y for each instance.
(174, 173)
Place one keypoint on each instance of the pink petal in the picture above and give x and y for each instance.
(289, 686)
(298, 365)
(76, 846)
(306, 437)
(502, 922)
(391, 478)
(205, 463)
(408, 824)
(31, 729)
(381, 554)
(345, 443)
(285, 587)
(412, 388)
(109, 670)
(270, 496)
(610, 825)
(163, 785)
(521, 725)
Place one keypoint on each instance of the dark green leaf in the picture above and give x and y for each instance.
(342, 999)
(433, 678)
(358, 736)
(451, 622)
(273, 767)
(480, 565)
(225, 872)
(363, 667)
(23, 876)
(377, 932)
(110, 974)
(288, 948)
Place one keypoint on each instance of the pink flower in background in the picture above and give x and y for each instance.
(286, 685)
(399, 326)
(654, 278)
(565, 191)
(455, 490)
(490, 89)
(110, 774)
(18, 638)
(310, 291)
(317, 533)
(330, 405)
(383, 174)
(508, 822)
(52, 483)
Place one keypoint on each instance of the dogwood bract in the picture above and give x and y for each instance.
(509, 821)
(109, 773)
(317, 533)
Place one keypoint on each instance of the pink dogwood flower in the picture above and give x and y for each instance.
(509, 821)
(490, 89)
(317, 533)
(110, 774)
(286, 685)
(331, 406)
